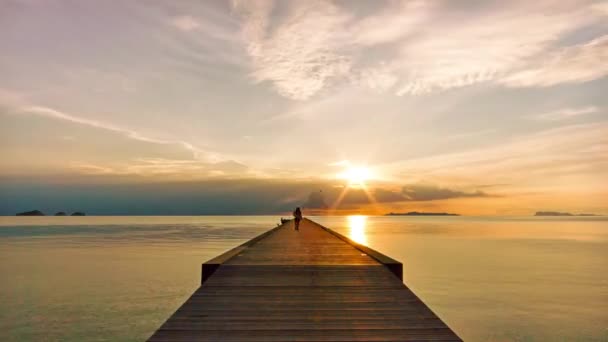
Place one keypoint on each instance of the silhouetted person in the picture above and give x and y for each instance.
(297, 217)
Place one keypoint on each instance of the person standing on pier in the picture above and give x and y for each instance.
(297, 217)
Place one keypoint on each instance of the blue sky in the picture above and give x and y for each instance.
(501, 98)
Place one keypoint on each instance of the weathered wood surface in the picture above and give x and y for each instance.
(309, 285)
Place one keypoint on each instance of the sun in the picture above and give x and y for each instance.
(356, 175)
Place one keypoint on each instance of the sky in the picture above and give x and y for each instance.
(254, 107)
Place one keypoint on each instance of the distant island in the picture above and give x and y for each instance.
(557, 213)
(417, 213)
(31, 213)
(40, 213)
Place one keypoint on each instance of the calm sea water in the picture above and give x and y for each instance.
(119, 278)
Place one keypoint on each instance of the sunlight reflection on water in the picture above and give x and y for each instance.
(356, 223)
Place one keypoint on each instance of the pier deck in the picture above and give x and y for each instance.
(311, 285)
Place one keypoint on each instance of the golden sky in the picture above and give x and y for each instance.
(480, 108)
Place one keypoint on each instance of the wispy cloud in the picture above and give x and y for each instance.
(465, 135)
(185, 23)
(341, 163)
(380, 78)
(422, 192)
(55, 114)
(420, 46)
(11, 98)
(575, 64)
(485, 46)
(299, 56)
(100, 80)
(392, 23)
(176, 164)
(546, 158)
(169, 169)
(566, 113)
(601, 8)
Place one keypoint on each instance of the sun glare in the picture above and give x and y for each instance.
(356, 175)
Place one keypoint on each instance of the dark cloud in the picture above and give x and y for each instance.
(409, 193)
(351, 197)
(354, 196)
(128, 197)
(380, 195)
(121, 195)
(316, 200)
(384, 196)
(432, 193)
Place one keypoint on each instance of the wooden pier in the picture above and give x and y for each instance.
(308, 285)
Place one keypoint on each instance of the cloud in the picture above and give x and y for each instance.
(466, 135)
(169, 169)
(601, 8)
(185, 23)
(385, 196)
(379, 78)
(298, 56)
(100, 148)
(421, 192)
(566, 113)
(392, 23)
(418, 47)
(485, 44)
(52, 113)
(568, 157)
(102, 81)
(105, 195)
(10, 98)
(316, 200)
(348, 197)
(340, 163)
(575, 64)
(337, 198)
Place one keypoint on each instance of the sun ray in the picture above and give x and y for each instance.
(339, 199)
(356, 177)
(371, 198)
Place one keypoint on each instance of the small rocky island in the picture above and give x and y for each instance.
(40, 213)
(418, 213)
(557, 213)
(31, 213)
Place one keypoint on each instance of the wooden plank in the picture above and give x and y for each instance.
(311, 245)
(307, 285)
(209, 267)
(393, 265)
(394, 335)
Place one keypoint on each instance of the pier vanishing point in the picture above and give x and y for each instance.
(307, 285)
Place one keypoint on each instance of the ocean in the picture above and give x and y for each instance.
(118, 278)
